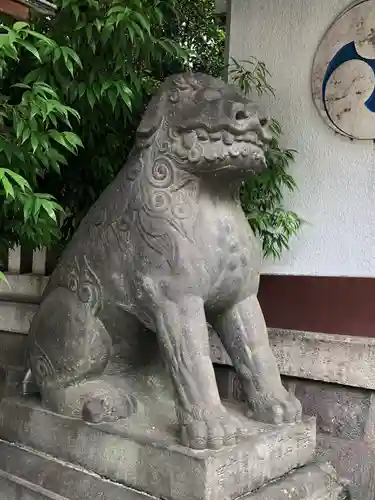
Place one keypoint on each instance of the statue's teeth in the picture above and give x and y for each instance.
(194, 155)
(215, 136)
(202, 135)
(211, 156)
(234, 153)
(228, 138)
(179, 150)
(250, 137)
(189, 139)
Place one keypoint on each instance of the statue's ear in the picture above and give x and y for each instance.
(152, 119)
(161, 105)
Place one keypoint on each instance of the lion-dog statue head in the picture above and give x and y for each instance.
(210, 128)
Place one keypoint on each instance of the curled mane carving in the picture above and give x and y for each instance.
(166, 193)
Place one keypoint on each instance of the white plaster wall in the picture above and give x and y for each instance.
(336, 177)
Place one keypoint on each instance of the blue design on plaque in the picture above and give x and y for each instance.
(345, 54)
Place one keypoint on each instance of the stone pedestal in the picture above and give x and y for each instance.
(143, 451)
(28, 475)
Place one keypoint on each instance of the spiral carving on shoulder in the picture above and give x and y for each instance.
(42, 365)
(161, 173)
(83, 281)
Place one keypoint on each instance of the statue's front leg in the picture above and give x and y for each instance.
(183, 338)
(243, 331)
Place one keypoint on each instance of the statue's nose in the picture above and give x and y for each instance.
(265, 132)
(247, 116)
(264, 121)
(243, 112)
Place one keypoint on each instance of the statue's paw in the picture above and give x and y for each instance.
(213, 433)
(107, 409)
(276, 409)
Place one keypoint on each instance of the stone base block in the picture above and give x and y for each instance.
(144, 453)
(28, 475)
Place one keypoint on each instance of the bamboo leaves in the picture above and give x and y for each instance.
(262, 196)
(35, 135)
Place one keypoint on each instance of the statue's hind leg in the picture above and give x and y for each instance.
(69, 350)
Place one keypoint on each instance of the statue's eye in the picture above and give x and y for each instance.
(211, 95)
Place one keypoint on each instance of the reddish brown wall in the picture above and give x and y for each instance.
(319, 304)
(14, 9)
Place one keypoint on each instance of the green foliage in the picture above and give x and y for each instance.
(197, 28)
(74, 88)
(252, 77)
(35, 137)
(119, 51)
(262, 195)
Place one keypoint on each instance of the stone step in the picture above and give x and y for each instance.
(312, 482)
(13, 349)
(16, 316)
(28, 475)
(23, 287)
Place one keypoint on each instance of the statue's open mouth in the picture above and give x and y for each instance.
(226, 148)
(228, 134)
(242, 156)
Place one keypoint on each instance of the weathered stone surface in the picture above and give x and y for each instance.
(28, 475)
(16, 316)
(341, 411)
(370, 422)
(345, 421)
(11, 490)
(12, 352)
(144, 453)
(330, 358)
(354, 461)
(23, 287)
(314, 482)
(12, 363)
(336, 359)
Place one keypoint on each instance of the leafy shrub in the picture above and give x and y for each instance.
(262, 196)
(35, 138)
(74, 88)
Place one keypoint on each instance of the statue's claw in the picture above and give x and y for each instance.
(276, 409)
(213, 433)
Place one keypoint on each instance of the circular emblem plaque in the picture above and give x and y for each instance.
(343, 77)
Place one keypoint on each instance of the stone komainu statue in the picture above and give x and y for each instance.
(166, 249)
